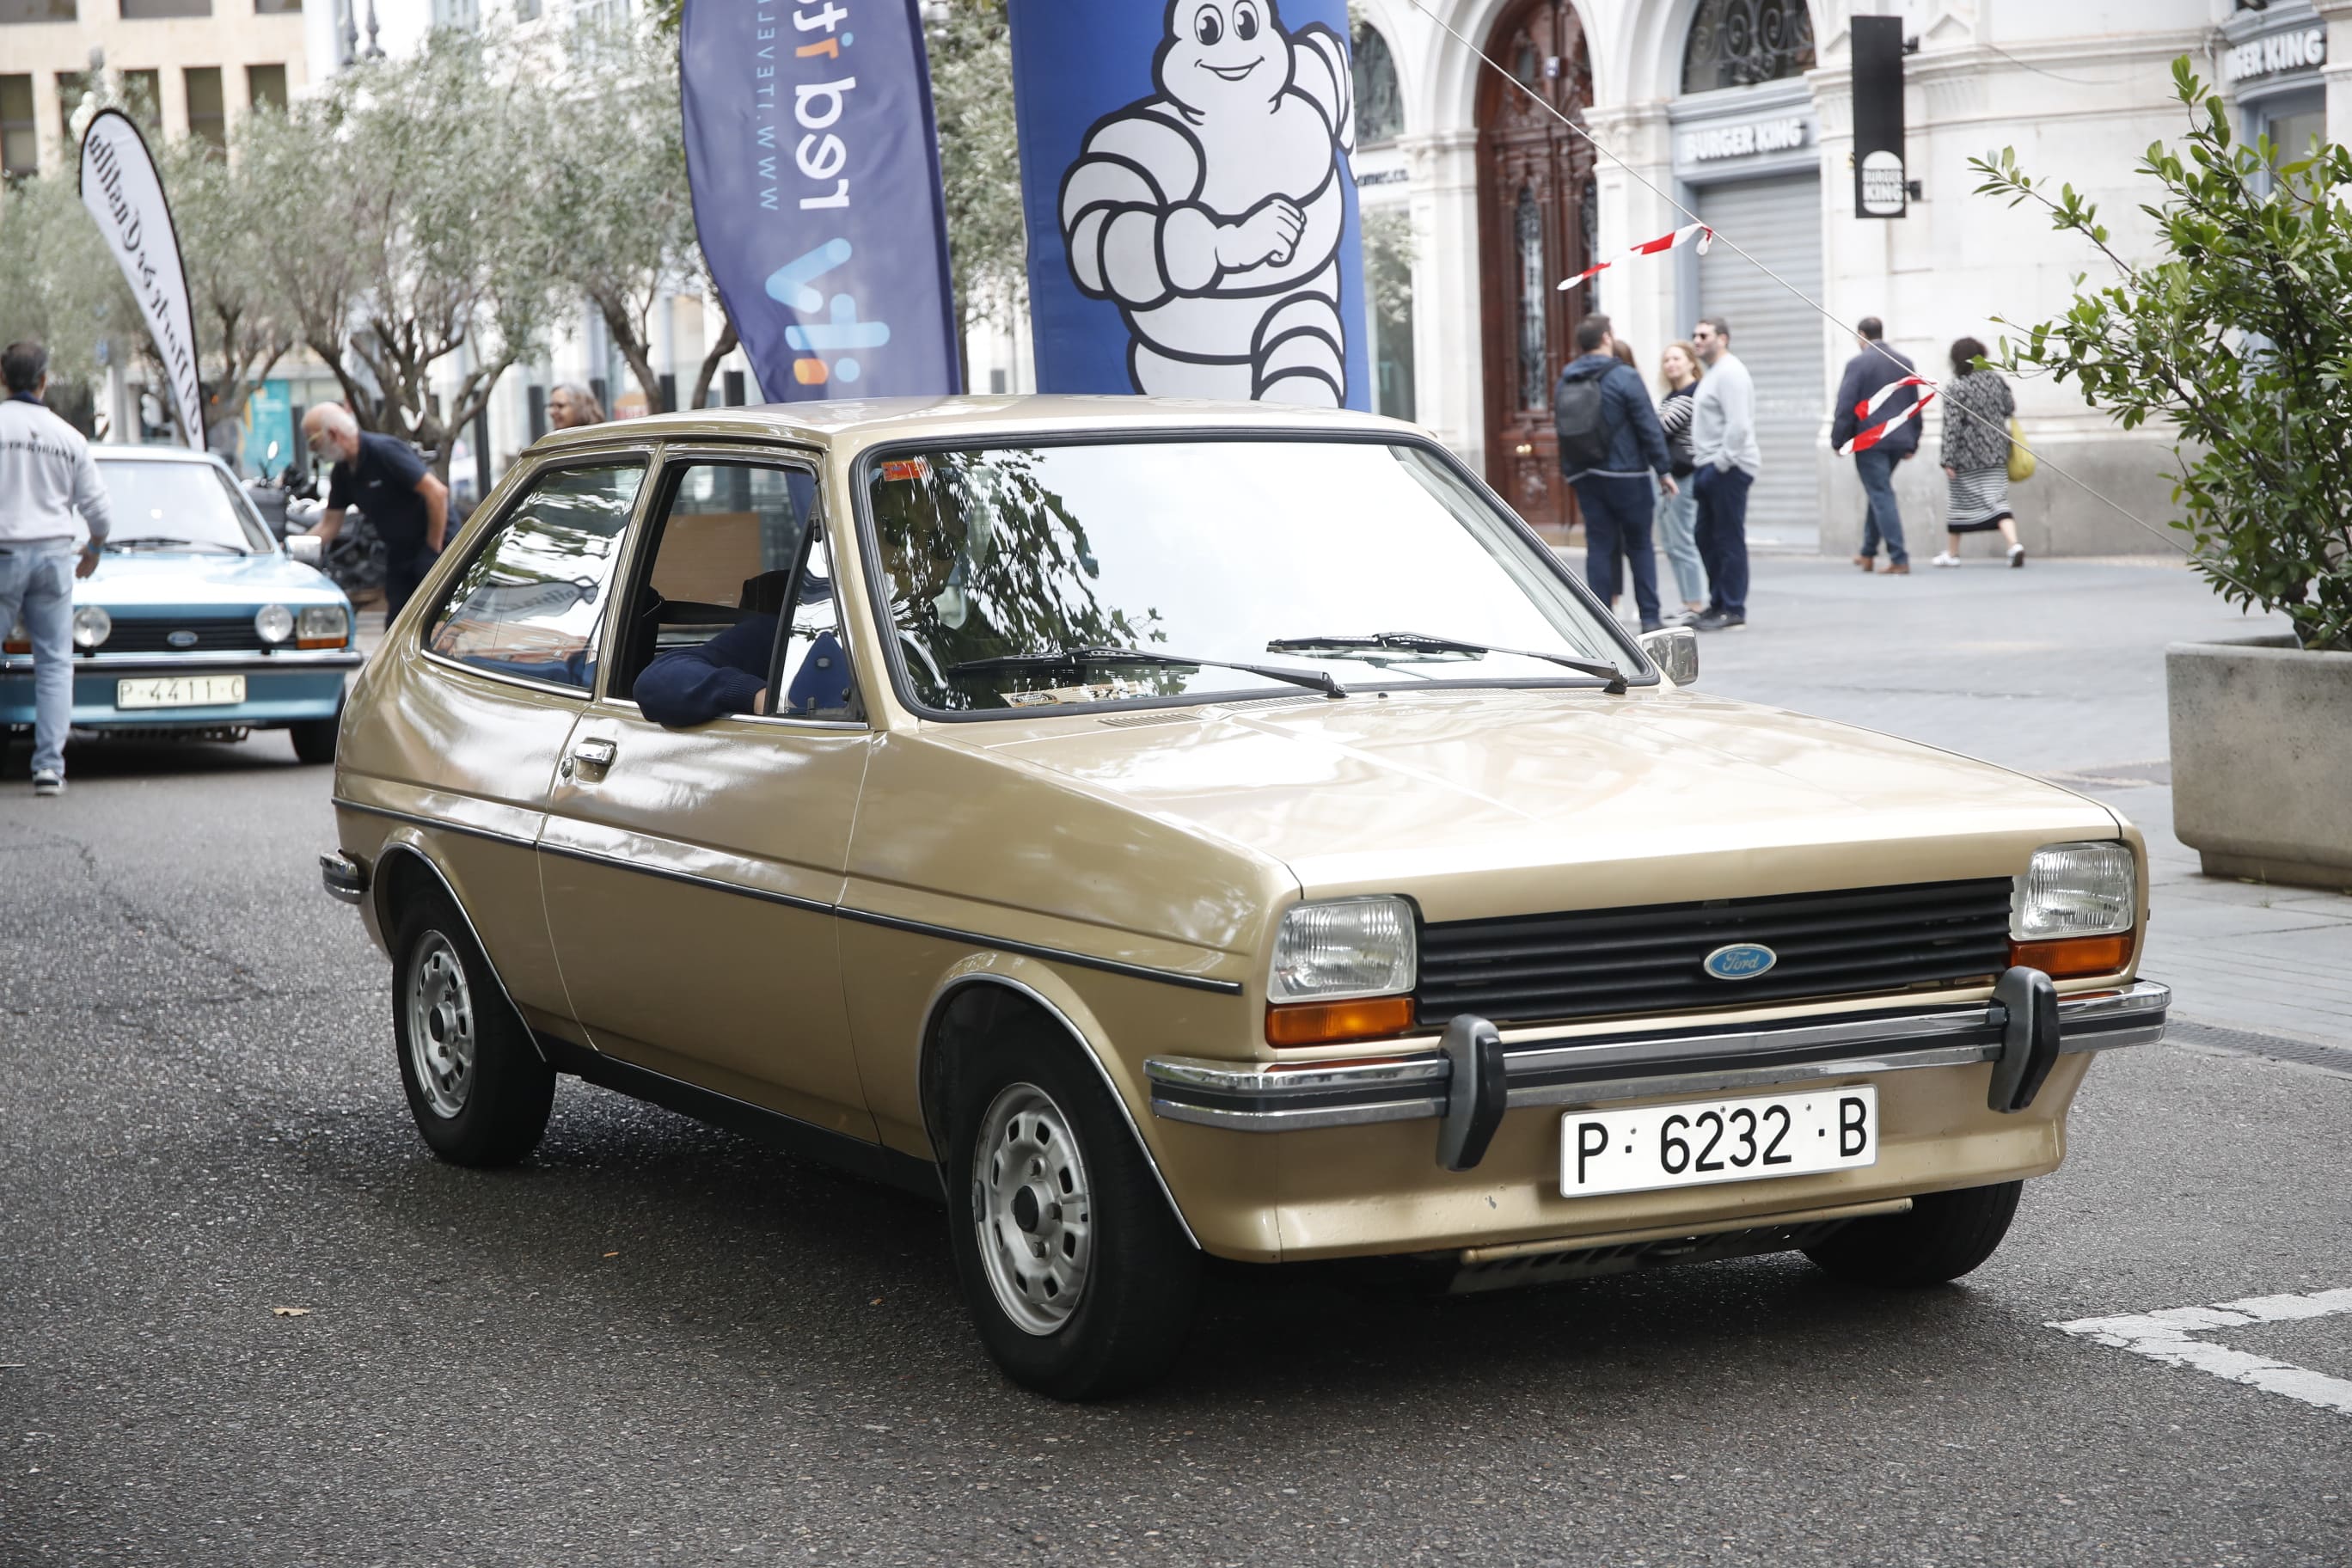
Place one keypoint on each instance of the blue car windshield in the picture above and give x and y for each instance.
(164, 506)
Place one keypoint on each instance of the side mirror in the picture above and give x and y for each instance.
(1673, 651)
(310, 549)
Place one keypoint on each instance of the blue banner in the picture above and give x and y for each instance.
(815, 175)
(1191, 209)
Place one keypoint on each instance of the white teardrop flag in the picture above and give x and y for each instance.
(125, 194)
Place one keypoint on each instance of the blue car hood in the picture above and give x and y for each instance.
(161, 581)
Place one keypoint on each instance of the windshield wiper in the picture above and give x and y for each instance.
(1078, 660)
(1422, 642)
(149, 541)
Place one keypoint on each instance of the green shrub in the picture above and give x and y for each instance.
(2239, 336)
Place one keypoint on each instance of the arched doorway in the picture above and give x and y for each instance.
(1536, 219)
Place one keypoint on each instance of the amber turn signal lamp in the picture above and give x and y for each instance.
(2070, 957)
(1335, 1023)
(319, 642)
(14, 646)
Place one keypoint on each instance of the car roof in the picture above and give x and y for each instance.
(853, 423)
(125, 451)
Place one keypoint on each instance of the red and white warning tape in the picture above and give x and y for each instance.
(1650, 247)
(1863, 440)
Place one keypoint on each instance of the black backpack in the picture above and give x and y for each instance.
(1580, 419)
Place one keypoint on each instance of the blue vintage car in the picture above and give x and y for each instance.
(196, 621)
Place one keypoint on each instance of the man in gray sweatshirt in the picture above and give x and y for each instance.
(1723, 446)
(46, 476)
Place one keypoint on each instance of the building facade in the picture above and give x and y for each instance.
(1600, 124)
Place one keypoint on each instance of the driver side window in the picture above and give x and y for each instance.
(735, 564)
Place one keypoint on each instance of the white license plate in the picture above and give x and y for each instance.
(180, 691)
(1706, 1141)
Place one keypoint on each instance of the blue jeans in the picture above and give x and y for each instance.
(1617, 518)
(1723, 536)
(1884, 519)
(36, 583)
(1676, 517)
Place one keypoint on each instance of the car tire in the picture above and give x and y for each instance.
(476, 1084)
(1084, 1288)
(1943, 1236)
(314, 739)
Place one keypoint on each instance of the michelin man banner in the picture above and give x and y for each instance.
(815, 175)
(1192, 226)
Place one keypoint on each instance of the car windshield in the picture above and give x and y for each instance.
(162, 506)
(1377, 566)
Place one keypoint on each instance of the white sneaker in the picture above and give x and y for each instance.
(47, 782)
(1945, 559)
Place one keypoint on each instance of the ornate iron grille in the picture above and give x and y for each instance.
(1379, 105)
(1737, 43)
(1526, 228)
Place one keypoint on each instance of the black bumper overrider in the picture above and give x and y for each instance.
(2014, 1031)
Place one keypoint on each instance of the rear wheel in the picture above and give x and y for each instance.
(1078, 1277)
(1943, 1236)
(476, 1085)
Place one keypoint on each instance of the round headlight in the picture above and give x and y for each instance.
(91, 626)
(274, 622)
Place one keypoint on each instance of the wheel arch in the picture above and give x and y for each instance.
(403, 870)
(979, 999)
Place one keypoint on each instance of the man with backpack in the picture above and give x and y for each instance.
(1609, 444)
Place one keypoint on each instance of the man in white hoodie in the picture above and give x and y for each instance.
(1723, 445)
(47, 474)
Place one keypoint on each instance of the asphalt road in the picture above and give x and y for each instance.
(655, 1343)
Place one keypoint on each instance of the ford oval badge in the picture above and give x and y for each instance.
(181, 639)
(1740, 960)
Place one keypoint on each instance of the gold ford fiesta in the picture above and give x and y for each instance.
(1163, 830)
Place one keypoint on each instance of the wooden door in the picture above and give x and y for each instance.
(1536, 225)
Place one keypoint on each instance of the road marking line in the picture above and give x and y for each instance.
(2169, 1337)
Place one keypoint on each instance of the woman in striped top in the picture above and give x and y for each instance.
(1977, 406)
(1678, 515)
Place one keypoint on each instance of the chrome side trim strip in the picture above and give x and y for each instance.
(1260, 1096)
(439, 825)
(864, 917)
(764, 895)
(1051, 955)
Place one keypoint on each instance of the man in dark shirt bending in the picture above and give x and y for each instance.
(387, 480)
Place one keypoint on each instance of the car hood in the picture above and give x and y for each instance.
(1507, 802)
(160, 580)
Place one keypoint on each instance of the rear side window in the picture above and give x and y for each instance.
(531, 602)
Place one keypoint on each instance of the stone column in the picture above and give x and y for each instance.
(1449, 394)
(2337, 14)
(1640, 296)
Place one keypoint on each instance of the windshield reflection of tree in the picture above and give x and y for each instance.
(985, 559)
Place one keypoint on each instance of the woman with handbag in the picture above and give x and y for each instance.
(1977, 408)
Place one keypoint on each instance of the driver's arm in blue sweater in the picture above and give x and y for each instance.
(726, 675)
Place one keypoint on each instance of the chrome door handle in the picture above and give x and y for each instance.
(593, 756)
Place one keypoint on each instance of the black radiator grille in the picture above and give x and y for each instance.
(1647, 958)
(212, 635)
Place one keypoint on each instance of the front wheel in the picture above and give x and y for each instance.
(1078, 1277)
(1944, 1236)
(314, 739)
(474, 1082)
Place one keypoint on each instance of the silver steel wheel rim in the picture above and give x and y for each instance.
(441, 1026)
(1032, 1210)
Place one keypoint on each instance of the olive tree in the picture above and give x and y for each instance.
(2235, 334)
(410, 223)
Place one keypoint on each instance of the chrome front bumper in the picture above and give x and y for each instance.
(1259, 1097)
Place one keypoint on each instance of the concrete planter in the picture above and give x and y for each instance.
(2261, 759)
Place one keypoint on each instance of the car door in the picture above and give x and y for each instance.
(691, 874)
(497, 673)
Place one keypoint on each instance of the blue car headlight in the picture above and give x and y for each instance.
(275, 622)
(323, 625)
(91, 626)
